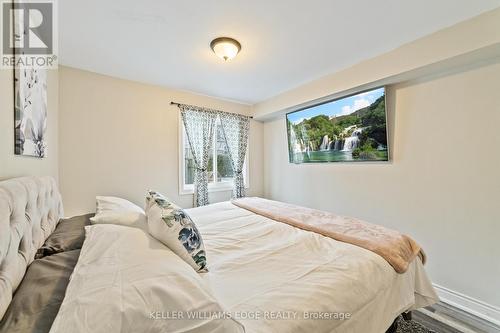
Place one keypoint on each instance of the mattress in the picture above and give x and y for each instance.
(277, 278)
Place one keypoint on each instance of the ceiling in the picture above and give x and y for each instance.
(284, 43)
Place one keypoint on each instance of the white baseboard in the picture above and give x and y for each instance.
(468, 304)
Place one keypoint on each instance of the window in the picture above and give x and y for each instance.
(220, 169)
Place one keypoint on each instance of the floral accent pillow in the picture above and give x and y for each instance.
(172, 226)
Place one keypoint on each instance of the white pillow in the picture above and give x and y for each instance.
(113, 210)
(172, 226)
(127, 281)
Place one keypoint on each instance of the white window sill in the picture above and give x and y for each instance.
(220, 187)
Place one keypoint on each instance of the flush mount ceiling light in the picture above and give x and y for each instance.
(225, 47)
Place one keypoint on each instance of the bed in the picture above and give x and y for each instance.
(260, 264)
(270, 276)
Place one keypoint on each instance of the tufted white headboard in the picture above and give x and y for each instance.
(30, 208)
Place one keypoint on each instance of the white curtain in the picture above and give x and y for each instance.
(199, 124)
(235, 129)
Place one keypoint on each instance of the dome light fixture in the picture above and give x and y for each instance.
(225, 47)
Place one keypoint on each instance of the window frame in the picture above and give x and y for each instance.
(187, 189)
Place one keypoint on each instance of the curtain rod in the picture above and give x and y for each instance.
(177, 104)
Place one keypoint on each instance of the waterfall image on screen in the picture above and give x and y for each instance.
(352, 128)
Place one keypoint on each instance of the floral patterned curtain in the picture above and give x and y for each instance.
(235, 128)
(199, 124)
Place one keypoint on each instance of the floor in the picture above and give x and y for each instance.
(441, 318)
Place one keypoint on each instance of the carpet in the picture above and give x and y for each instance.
(411, 327)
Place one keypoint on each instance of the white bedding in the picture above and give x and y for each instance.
(257, 265)
(266, 274)
(127, 281)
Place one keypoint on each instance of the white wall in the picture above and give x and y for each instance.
(120, 138)
(12, 165)
(442, 185)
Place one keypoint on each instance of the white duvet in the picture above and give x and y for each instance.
(127, 281)
(266, 275)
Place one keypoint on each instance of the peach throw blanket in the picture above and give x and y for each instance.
(397, 249)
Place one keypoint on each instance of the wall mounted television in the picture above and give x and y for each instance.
(348, 129)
